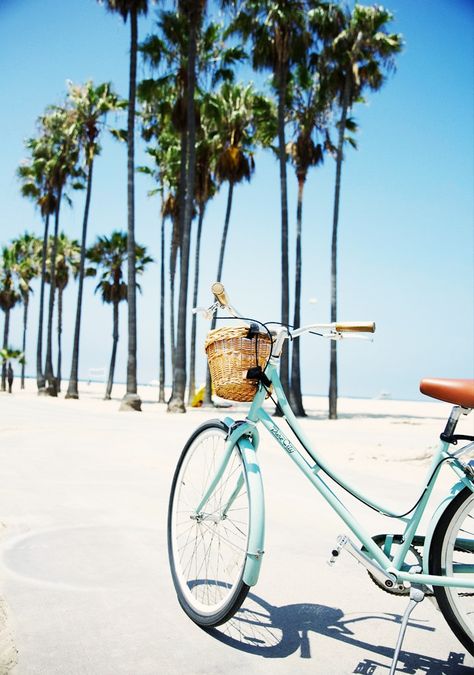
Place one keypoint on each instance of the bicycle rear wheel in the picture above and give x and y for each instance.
(451, 548)
(208, 548)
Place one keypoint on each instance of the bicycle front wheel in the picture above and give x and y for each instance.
(452, 554)
(208, 545)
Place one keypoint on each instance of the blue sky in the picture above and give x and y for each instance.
(406, 222)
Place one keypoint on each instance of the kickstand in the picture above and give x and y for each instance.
(417, 594)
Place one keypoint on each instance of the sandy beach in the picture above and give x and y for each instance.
(84, 577)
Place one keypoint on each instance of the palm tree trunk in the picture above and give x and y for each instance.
(182, 183)
(115, 337)
(40, 381)
(175, 246)
(161, 394)
(48, 370)
(178, 222)
(6, 328)
(60, 330)
(192, 360)
(26, 299)
(172, 317)
(131, 400)
(296, 398)
(177, 230)
(176, 403)
(72, 390)
(220, 266)
(337, 191)
(285, 291)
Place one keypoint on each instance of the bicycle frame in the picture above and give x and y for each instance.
(245, 434)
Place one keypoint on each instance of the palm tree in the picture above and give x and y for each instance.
(167, 155)
(91, 105)
(236, 111)
(27, 265)
(359, 57)
(241, 118)
(171, 209)
(278, 32)
(131, 9)
(192, 11)
(110, 254)
(68, 260)
(164, 110)
(162, 373)
(60, 137)
(165, 99)
(205, 189)
(169, 163)
(36, 185)
(9, 296)
(310, 116)
(157, 98)
(8, 354)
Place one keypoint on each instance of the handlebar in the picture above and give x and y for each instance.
(334, 331)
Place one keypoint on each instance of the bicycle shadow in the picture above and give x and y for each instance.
(266, 630)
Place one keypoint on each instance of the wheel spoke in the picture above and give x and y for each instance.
(451, 553)
(209, 548)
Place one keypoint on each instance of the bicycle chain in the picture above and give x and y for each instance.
(397, 590)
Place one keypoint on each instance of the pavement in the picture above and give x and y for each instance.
(85, 587)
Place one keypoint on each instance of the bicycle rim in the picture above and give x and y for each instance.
(453, 547)
(208, 549)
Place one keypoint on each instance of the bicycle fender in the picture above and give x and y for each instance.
(257, 512)
(442, 506)
(237, 429)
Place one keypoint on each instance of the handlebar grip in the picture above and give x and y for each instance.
(356, 327)
(219, 293)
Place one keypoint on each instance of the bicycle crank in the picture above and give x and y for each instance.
(388, 543)
(343, 542)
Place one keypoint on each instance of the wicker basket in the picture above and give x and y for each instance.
(230, 354)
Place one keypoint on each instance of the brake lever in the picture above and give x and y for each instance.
(348, 336)
(359, 337)
(208, 312)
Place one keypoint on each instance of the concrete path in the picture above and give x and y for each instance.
(84, 576)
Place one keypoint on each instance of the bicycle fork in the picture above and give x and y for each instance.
(244, 436)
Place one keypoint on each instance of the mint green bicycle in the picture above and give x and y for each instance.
(216, 508)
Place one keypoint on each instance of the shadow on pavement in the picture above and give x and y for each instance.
(276, 632)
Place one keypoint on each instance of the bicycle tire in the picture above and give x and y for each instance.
(456, 604)
(208, 551)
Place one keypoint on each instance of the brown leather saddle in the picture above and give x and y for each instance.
(457, 392)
